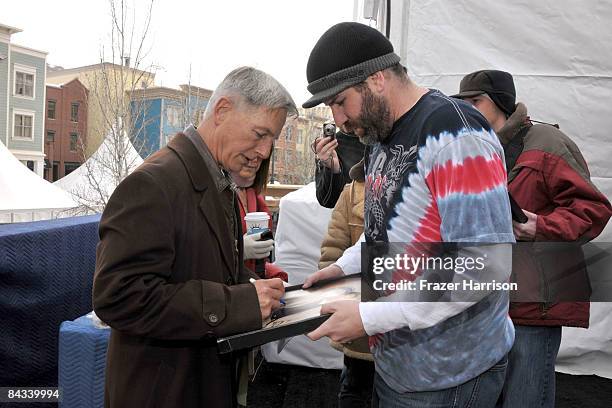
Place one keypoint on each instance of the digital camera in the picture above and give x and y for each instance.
(329, 130)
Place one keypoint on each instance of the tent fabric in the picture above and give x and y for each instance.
(24, 195)
(559, 54)
(46, 276)
(82, 363)
(301, 227)
(92, 183)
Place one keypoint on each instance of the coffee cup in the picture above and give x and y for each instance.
(256, 222)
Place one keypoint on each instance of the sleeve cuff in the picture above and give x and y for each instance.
(230, 309)
(350, 261)
(381, 317)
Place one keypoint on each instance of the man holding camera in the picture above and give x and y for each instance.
(336, 153)
(435, 173)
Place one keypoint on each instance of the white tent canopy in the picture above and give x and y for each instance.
(95, 180)
(24, 195)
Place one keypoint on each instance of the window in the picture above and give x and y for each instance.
(28, 163)
(300, 137)
(23, 125)
(288, 134)
(55, 171)
(24, 83)
(50, 136)
(51, 109)
(74, 111)
(174, 114)
(74, 139)
(69, 167)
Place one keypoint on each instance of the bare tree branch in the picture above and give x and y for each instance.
(119, 119)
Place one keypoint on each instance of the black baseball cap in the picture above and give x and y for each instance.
(498, 85)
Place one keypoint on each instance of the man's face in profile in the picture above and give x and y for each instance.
(248, 135)
(358, 111)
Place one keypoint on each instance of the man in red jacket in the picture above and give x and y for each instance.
(549, 178)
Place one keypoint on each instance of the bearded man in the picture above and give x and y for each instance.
(435, 173)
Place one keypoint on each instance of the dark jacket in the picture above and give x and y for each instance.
(329, 185)
(551, 179)
(167, 284)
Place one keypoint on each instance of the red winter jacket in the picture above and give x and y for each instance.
(551, 179)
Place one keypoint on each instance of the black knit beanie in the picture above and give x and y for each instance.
(344, 56)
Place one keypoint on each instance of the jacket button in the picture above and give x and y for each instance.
(213, 318)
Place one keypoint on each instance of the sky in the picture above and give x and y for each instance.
(208, 37)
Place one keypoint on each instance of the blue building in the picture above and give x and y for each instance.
(158, 113)
(22, 100)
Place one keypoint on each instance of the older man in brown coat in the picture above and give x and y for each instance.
(169, 275)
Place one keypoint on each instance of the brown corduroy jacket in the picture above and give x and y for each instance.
(167, 284)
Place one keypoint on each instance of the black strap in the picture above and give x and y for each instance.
(514, 148)
(517, 212)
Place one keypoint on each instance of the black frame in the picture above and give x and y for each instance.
(266, 335)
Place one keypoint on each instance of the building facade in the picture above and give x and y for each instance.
(65, 128)
(159, 113)
(108, 87)
(293, 161)
(22, 100)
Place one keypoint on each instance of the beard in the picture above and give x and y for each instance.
(374, 119)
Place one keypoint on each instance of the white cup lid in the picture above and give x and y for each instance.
(257, 216)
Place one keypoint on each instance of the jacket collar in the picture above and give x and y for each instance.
(210, 204)
(515, 122)
(357, 172)
(197, 169)
(221, 178)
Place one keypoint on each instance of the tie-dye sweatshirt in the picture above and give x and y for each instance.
(439, 177)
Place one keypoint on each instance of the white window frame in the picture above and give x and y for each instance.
(26, 113)
(24, 69)
(173, 114)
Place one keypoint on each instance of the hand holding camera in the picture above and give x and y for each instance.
(325, 148)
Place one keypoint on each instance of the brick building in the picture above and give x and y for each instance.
(65, 128)
(293, 160)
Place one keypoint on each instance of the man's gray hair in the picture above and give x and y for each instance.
(254, 87)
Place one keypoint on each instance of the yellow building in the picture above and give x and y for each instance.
(109, 86)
